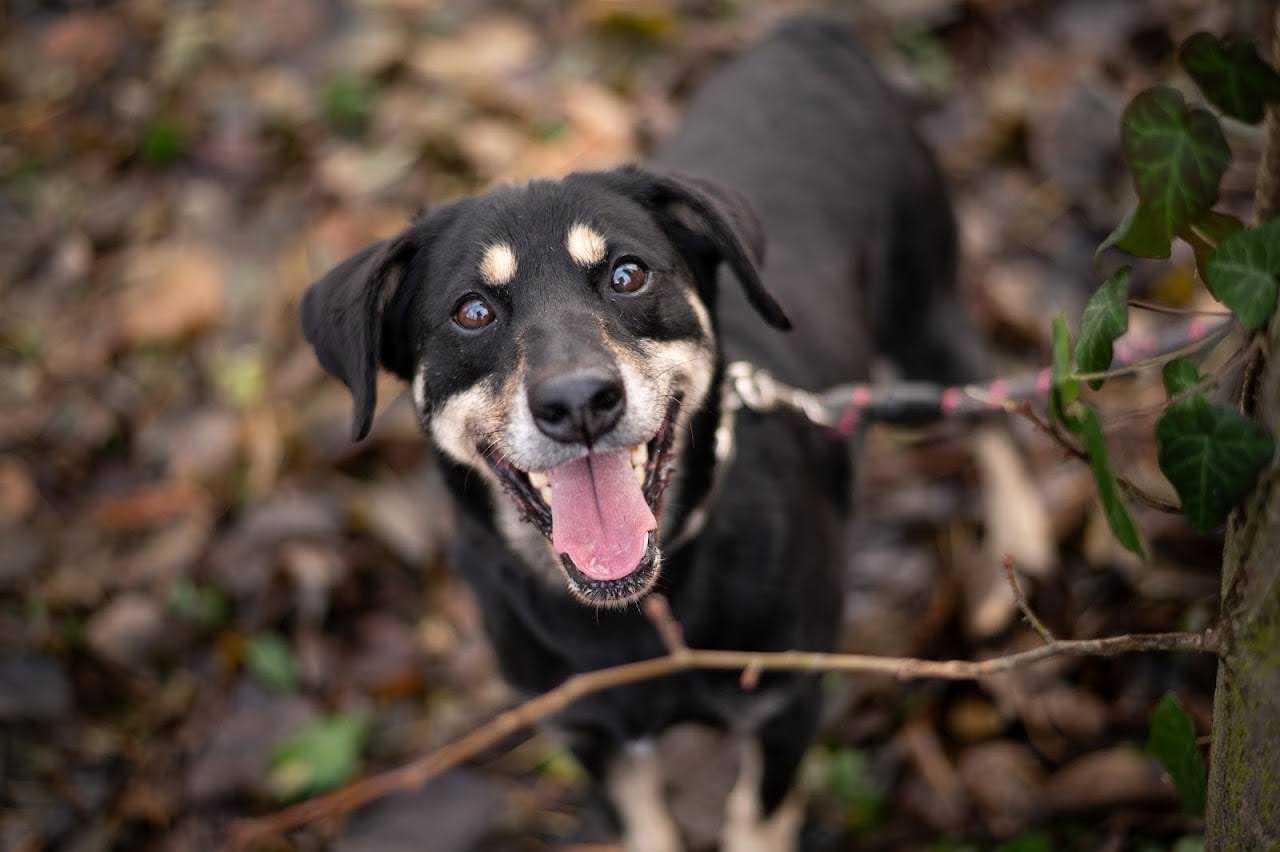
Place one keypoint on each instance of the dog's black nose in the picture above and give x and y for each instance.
(579, 406)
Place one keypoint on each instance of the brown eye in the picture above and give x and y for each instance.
(473, 313)
(628, 277)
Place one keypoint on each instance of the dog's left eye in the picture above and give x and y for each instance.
(628, 276)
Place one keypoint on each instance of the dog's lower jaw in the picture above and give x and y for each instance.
(611, 594)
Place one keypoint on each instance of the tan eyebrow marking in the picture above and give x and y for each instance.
(498, 266)
(585, 245)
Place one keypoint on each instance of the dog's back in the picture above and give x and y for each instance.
(858, 232)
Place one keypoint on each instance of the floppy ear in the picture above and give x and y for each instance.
(710, 213)
(343, 317)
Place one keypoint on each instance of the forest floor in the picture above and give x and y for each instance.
(211, 602)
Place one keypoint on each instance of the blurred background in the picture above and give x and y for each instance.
(212, 603)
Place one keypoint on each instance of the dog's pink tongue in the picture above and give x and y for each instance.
(599, 516)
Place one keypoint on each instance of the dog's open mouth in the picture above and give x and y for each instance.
(600, 512)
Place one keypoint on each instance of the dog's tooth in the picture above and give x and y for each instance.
(545, 491)
(639, 455)
(539, 479)
(639, 474)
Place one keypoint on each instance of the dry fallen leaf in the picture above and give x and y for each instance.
(172, 291)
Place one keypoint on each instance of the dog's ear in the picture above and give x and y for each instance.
(709, 215)
(343, 315)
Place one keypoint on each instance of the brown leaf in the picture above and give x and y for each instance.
(87, 41)
(17, 490)
(148, 505)
(173, 291)
(489, 48)
(127, 630)
(1107, 779)
(1005, 779)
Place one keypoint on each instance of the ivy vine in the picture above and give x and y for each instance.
(1177, 154)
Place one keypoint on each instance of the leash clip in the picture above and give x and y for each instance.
(757, 390)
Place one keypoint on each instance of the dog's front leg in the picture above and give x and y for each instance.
(746, 827)
(765, 810)
(636, 789)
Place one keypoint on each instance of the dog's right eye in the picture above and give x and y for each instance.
(472, 313)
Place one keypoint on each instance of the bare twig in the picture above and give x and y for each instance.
(1210, 381)
(1156, 360)
(1036, 624)
(1025, 409)
(669, 630)
(414, 774)
(1157, 308)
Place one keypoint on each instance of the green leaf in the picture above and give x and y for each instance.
(1106, 317)
(348, 103)
(1204, 236)
(1172, 741)
(321, 756)
(270, 659)
(1089, 428)
(1243, 273)
(204, 605)
(163, 143)
(1036, 841)
(1177, 155)
(850, 781)
(1179, 375)
(1065, 388)
(1212, 455)
(1190, 843)
(1141, 233)
(1231, 74)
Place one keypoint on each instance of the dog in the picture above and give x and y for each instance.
(566, 343)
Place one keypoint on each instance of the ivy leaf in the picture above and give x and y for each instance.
(1141, 234)
(1106, 317)
(1089, 428)
(1180, 375)
(1207, 234)
(1172, 741)
(1177, 155)
(271, 661)
(1243, 272)
(1212, 455)
(1065, 388)
(321, 756)
(1231, 74)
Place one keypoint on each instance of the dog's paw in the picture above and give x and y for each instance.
(746, 832)
(660, 836)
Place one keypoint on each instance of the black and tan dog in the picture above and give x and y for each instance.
(566, 344)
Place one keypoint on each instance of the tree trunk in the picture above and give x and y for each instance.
(1244, 777)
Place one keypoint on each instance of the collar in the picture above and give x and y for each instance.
(744, 386)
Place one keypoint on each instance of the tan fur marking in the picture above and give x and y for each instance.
(585, 245)
(498, 266)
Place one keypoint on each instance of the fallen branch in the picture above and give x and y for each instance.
(413, 775)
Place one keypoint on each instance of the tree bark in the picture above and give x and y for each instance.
(1243, 810)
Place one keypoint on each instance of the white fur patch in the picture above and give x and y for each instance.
(498, 265)
(745, 830)
(635, 787)
(586, 246)
(420, 389)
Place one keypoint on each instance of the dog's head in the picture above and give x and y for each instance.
(558, 338)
